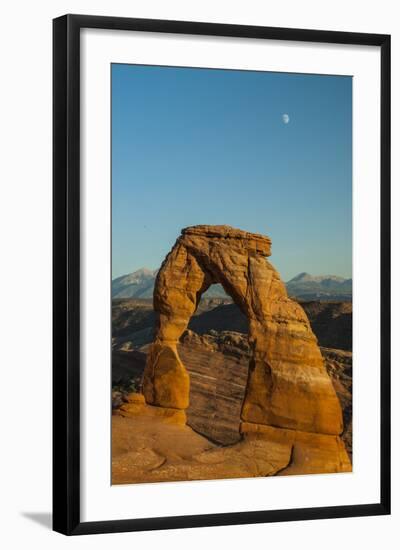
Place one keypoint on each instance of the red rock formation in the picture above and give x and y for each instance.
(288, 386)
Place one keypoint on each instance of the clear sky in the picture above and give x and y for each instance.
(206, 146)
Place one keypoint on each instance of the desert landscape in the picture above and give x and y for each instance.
(220, 370)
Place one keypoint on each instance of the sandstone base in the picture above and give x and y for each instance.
(311, 453)
(153, 444)
(137, 407)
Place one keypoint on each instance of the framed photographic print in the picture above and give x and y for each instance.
(221, 274)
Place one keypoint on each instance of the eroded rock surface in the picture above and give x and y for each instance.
(152, 444)
(339, 365)
(311, 453)
(218, 367)
(287, 385)
(218, 364)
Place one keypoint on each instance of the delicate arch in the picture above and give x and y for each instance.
(287, 385)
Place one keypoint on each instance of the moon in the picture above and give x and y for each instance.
(285, 118)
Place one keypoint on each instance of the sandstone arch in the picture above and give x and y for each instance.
(288, 386)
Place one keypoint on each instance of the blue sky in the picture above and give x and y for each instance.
(206, 146)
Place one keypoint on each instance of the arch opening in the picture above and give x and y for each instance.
(215, 351)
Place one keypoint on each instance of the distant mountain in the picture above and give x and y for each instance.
(320, 287)
(140, 284)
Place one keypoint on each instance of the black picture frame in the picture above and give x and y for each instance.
(66, 273)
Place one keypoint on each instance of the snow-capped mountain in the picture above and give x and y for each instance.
(140, 284)
(317, 287)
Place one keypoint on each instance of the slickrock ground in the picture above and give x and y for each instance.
(153, 444)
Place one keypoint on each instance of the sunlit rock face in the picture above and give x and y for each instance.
(288, 386)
